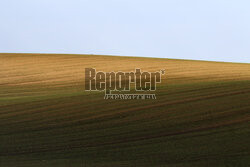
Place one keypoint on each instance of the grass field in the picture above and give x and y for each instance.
(201, 116)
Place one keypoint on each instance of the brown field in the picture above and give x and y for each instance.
(201, 116)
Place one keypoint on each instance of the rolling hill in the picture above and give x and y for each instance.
(201, 116)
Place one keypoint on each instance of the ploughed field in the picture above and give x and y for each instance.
(201, 116)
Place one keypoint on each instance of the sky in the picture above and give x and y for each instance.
(217, 30)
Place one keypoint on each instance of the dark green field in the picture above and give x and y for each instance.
(201, 116)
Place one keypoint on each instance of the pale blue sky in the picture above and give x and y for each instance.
(216, 30)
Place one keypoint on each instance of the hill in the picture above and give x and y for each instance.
(201, 116)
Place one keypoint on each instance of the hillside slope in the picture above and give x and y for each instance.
(201, 116)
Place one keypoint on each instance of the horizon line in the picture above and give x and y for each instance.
(203, 60)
